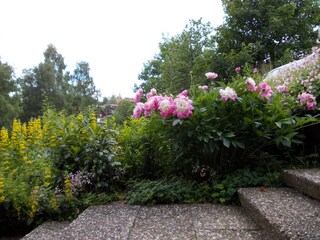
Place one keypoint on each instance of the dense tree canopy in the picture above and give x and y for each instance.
(261, 33)
(277, 31)
(172, 70)
(9, 99)
(49, 83)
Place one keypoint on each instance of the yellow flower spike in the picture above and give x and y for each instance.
(33, 203)
(80, 117)
(53, 202)
(16, 131)
(4, 138)
(24, 130)
(68, 189)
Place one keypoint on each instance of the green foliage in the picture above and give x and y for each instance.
(123, 111)
(9, 99)
(274, 29)
(48, 82)
(224, 191)
(172, 70)
(166, 191)
(85, 146)
(55, 166)
(131, 138)
(223, 136)
(145, 151)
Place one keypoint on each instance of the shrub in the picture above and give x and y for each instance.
(49, 164)
(230, 125)
(165, 191)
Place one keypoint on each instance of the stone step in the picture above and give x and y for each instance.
(50, 230)
(195, 221)
(304, 180)
(283, 213)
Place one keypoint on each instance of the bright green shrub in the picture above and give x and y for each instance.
(85, 150)
(49, 164)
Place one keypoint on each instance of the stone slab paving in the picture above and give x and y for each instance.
(195, 221)
(283, 212)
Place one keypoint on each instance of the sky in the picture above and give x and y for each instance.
(115, 37)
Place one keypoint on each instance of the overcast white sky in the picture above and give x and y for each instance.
(114, 37)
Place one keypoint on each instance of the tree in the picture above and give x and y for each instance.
(172, 70)
(268, 29)
(49, 83)
(44, 83)
(123, 111)
(9, 98)
(84, 92)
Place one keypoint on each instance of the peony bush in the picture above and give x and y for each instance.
(226, 127)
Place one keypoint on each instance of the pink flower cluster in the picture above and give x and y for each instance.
(308, 100)
(228, 93)
(282, 88)
(181, 106)
(251, 84)
(205, 87)
(265, 91)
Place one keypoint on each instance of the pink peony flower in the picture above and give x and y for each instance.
(211, 75)
(138, 110)
(152, 93)
(265, 91)
(237, 69)
(151, 104)
(138, 95)
(205, 87)
(166, 106)
(183, 93)
(251, 84)
(255, 70)
(309, 100)
(311, 105)
(228, 93)
(182, 107)
(282, 88)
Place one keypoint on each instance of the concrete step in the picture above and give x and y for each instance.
(195, 221)
(283, 213)
(48, 231)
(305, 180)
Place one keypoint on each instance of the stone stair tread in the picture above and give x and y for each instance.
(283, 212)
(305, 180)
(47, 230)
(178, 221)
